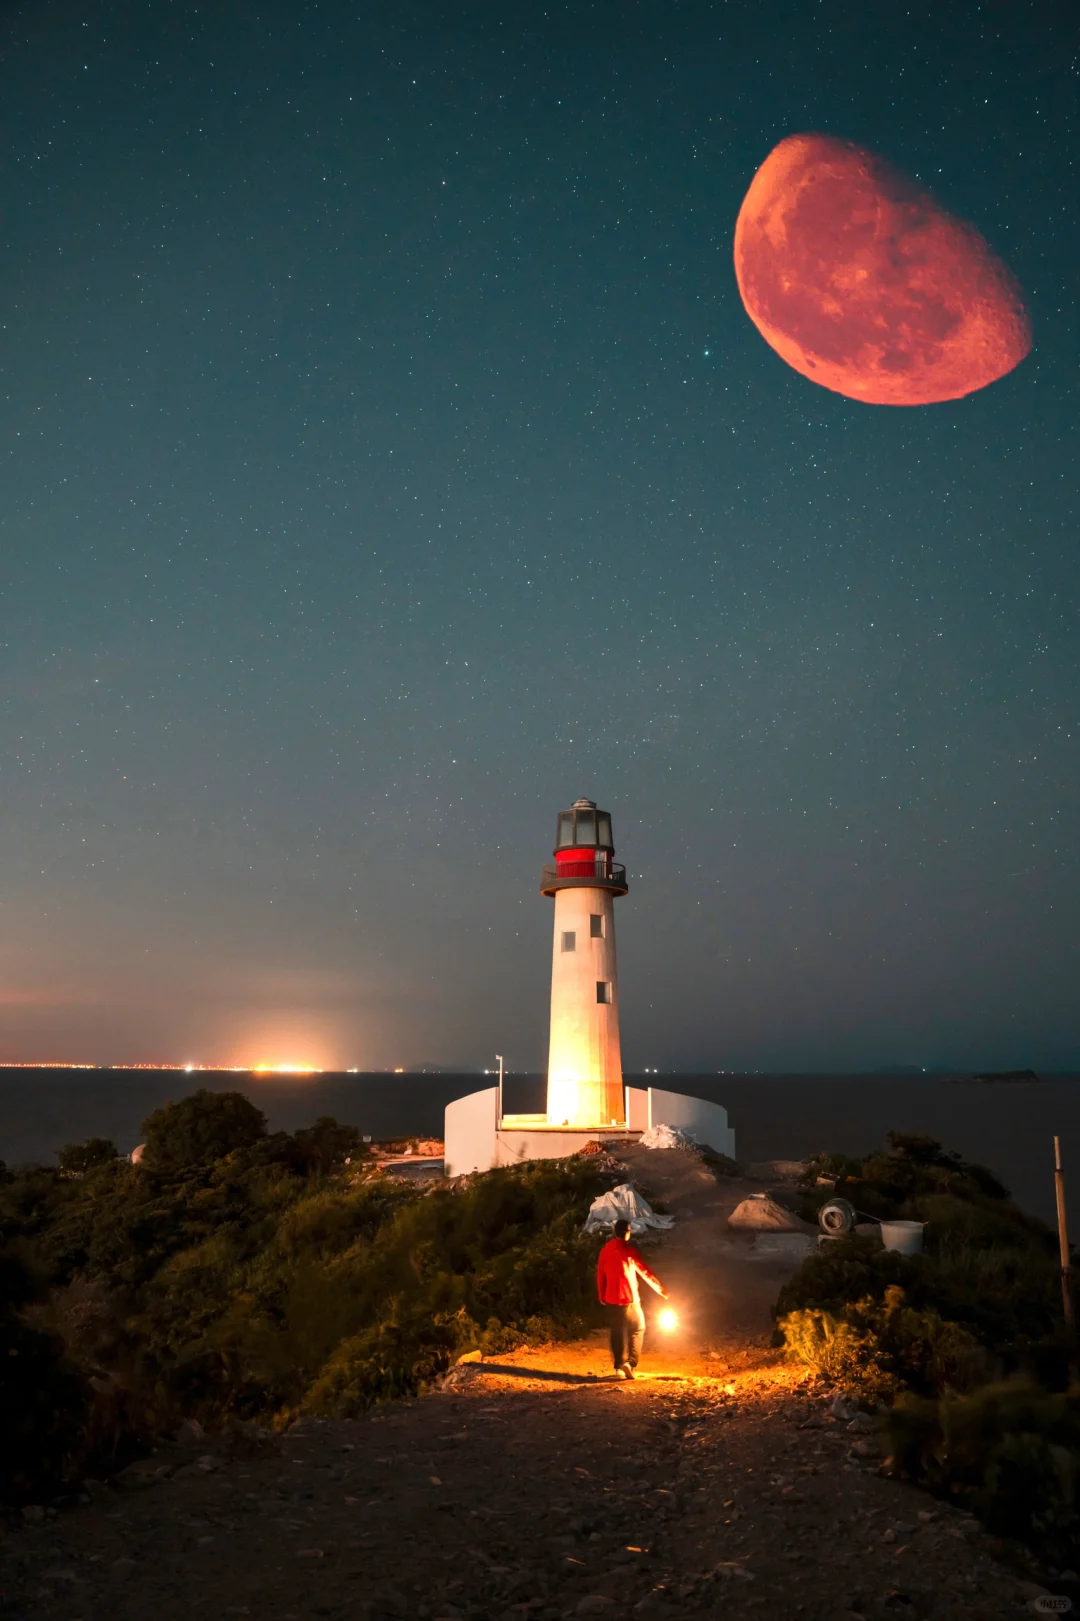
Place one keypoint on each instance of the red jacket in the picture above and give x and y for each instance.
(617, 1272)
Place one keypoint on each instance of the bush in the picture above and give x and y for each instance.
(878, 1348)
(930, 1336)
(327, 1144)
(77, 1158)
(989, 1269)
(1010, 1452)
(43, 1399)
(201, 1129)
(234, 1273)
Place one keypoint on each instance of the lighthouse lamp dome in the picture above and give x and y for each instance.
(584, 827)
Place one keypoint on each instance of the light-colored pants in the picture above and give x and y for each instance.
(626, 1325)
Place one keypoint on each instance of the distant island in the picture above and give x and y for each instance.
(1004, 1075)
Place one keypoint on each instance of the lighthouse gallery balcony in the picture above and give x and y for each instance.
(589, 871)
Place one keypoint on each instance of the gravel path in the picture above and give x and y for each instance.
(520, 1494)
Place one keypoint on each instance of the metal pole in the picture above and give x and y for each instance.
(499, 1108)
(1063, 1236)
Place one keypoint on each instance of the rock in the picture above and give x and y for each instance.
(96, 1490)
(138, 1477)
(190, 1433)
(123, 1567)
(592, 1604)
(840, 1407)
(869, 1448)
(762, 1214)
(862, 1421)
(33, 1514)
(729, 1569)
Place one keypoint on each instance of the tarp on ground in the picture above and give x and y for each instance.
(624, 1203)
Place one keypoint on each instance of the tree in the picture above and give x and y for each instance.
(78, 1158)
(328, 1143)
(200, 1129)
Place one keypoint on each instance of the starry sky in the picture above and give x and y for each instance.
(387, 460)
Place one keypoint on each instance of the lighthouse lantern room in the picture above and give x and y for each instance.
(585, 1080)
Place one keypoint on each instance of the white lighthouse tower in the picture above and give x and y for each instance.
(585, 1079)
(587, 1101)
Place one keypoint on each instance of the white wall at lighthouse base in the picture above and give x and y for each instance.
(514, 1147)
(707, 1123)
(475, 1141)
(469, 1130)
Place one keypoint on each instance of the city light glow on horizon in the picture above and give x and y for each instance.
(286, 1069)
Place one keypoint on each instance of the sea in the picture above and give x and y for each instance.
(1008, 1126)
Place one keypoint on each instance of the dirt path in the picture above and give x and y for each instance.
(537, 1486)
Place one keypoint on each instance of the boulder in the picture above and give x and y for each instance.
(761, 1213)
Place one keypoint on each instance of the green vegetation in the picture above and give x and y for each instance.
(964, 1346)
(1010, 1451)
(235, 1274)
(77, 1158)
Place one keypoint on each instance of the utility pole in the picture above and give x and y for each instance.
(499, 1108)
(1063, 1236)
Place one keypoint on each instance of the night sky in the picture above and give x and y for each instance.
(388, 460)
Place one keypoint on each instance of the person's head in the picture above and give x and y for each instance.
(622, 1228)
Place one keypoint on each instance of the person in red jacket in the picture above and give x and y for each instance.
(617, 1272)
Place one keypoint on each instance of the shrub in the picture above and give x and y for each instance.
(400, 1357)
(43, 1399)
(200, 1129)
(77, 1158)
(877, 1348)
(1010, 1452)
(929, 1337)
(327, 1144)
(236, 1274)
(989, 1269)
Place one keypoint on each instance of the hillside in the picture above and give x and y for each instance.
(531, 1484)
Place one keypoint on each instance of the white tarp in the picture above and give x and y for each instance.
(624, 1203)
(668, 1137)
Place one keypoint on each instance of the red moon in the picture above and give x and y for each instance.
(863, 284)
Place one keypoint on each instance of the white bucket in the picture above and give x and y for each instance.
(903, 1236)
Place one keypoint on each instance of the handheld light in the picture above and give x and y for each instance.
(668, 1318)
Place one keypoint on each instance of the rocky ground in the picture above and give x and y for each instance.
(538, 1486)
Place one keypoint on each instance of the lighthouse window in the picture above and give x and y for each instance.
(586, 827)
(603, 828)
(603, 990)
(596, 925)
(569, 940)
(566, 830)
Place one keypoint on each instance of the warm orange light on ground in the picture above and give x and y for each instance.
(669, 1319)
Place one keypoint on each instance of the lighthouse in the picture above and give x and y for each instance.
(587, 1101)
(585, 1079)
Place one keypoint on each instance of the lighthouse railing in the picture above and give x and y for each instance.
(600, 871)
